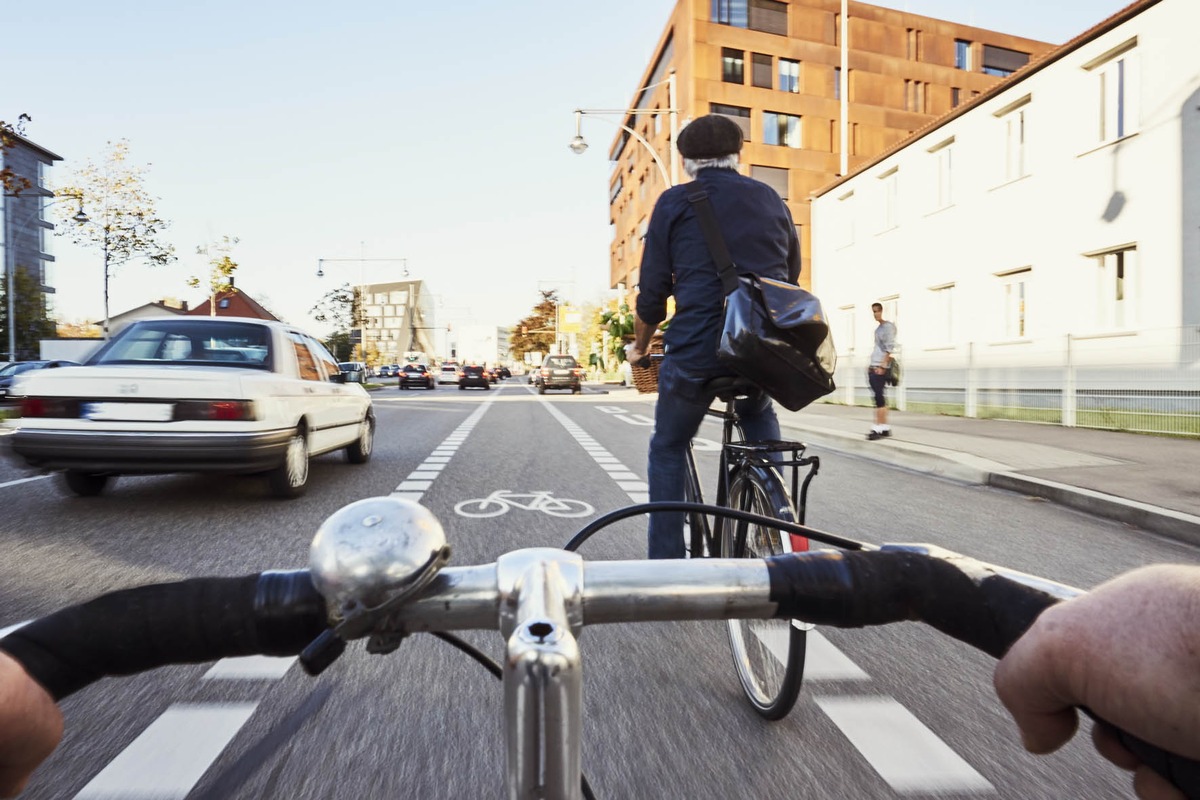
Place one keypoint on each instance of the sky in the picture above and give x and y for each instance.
(430, 135)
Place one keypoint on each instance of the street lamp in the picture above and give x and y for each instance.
(362, 292)
(670, 177)
(10, 256)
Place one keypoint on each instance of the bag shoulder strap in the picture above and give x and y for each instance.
(698, 197)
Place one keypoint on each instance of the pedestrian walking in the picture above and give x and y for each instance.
(877, 372)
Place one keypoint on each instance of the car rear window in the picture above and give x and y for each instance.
(225, 344)
(559, 362)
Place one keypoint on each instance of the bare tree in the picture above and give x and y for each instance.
(124, 224)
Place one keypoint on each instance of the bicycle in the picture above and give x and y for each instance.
(377, 571)
(501, 501)
(768, 655)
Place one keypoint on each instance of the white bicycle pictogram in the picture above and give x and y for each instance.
(501, 500)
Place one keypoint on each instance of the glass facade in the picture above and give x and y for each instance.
(781, 129)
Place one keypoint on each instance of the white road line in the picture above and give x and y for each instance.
(905, 753)
(627, 480)
(250, 668)
(421, 479)
(824, 662)
(171, 755)
(23, 480)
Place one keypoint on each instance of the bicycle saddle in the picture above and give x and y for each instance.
(730, 387)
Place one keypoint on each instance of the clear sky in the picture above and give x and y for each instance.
(434, 132)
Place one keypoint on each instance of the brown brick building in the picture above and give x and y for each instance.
(774, 67)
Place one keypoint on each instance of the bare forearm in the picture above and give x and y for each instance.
(642, 333)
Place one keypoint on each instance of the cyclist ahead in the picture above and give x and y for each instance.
(758, 230)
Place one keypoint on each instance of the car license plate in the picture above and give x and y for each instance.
(562, 372)
(128, 412)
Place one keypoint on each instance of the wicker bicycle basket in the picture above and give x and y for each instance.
(645, 379)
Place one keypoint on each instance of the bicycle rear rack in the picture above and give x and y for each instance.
(761, 452)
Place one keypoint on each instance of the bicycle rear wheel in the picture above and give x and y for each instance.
(767, 654)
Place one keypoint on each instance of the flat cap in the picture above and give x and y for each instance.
(710, 136)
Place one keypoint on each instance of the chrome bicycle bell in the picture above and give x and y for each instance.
(372, 554)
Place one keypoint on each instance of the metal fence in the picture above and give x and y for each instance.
(1147, 381)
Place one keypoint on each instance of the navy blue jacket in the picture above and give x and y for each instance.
(761, 238)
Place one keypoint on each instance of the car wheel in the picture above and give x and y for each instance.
(85, 484)
(577, 390)
(541, 390)
(432, 386)
(461, 387)
(290, 478)
(359, 451)
(487, 387)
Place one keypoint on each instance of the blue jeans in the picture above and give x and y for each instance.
(681, 405)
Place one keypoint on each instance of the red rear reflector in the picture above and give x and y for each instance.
(228, 410)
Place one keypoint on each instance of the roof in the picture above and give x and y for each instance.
(1035, 65)
(32, 145)
(240, 305)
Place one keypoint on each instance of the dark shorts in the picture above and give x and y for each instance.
(877, 381)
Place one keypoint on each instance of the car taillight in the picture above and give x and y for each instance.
(49, 407)
(215, 410)
(577, 372)
(545, 372)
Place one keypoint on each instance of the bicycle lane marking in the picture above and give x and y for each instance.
(419, 480)
(629, 482)
(909, 756)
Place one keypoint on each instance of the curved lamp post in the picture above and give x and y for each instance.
(670, 176)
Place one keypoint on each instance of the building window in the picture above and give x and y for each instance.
(1118, 89)
(775, 177)
(730, 12)
(962, 54)
(846, 331)
(914, 96)
(955, 96)
(941, 314)
(789, 76)
(1115, 289)
(223, 302)
(846, 220)
(768, 16)
(943, 164)
(1014, 288)
(1002, 62)
(781, 129)
(837, 83)
(914, 45)
(760, 72)
(738, 114)
(733, 65)
(891, 183)
(1012, 120)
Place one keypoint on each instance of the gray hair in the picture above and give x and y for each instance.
(693, 165)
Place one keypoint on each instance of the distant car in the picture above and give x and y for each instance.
(354, 371)
(388, 371)
(417, 375)
(473, 375)
(504, 372)
(532, 375)
(10, 371)
(560, 372)
(194, 394)
(448, 373)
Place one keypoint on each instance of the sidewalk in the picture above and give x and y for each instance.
(1147, 481)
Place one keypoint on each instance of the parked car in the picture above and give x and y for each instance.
(473, 375)
(448, 373)
(10, 371)
(560, 372)
(417, 375)
(195, 394)
(353, 371)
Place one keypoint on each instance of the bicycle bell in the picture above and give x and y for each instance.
(372, 554)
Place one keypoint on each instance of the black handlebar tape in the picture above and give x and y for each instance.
(959, 597)
(191, 621)
(853, 589)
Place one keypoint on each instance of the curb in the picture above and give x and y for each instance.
(1175, 524)
(967, 468)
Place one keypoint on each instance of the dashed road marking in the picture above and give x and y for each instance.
(23, 480)
(626, 479)
(421, 479)
(897, 745)
(168, 758)
(252, 668)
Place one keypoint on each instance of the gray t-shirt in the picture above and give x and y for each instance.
(885, 342)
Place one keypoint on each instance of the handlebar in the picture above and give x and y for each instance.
(538, 599)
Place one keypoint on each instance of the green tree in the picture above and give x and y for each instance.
(124, 223)
(341, 345)
(535, 333)
(340, 308)
(31, 322)
(220, 270)
(618, 324)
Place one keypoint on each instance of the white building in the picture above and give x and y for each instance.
(481, 344)
(1043, 238)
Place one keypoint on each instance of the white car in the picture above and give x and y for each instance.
(448, 374)
(194, 394)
